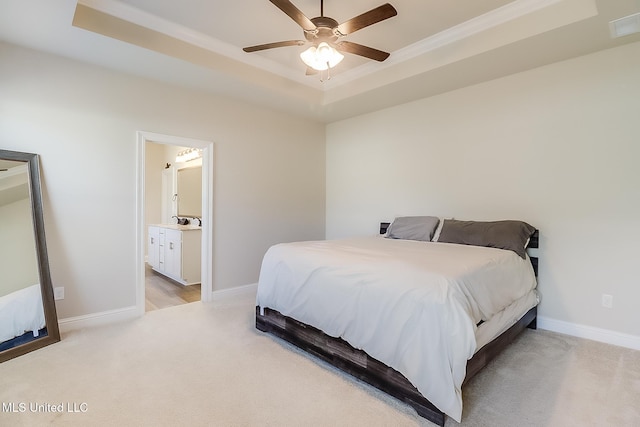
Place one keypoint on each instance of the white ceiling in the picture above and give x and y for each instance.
(435, 45)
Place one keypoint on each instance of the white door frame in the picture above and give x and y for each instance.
(207, 211)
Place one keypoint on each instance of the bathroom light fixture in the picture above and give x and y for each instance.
(322, 57)
(188, 155)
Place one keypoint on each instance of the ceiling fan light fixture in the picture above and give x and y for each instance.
(322, 57)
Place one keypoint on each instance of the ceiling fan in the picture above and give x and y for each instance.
(326, 36)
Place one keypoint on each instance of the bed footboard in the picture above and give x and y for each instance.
(355, 362)
(359, 364)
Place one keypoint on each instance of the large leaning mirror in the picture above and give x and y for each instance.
(28, 319)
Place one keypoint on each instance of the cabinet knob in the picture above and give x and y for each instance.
(170, 245)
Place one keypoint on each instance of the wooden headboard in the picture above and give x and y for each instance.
(384, 226)
(533, 244)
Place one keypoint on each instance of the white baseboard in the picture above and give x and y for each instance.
(98, 319)
(589, 332)
(128, 313)
(231, 292)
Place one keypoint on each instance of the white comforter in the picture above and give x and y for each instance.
(411, 305)
(21, 311)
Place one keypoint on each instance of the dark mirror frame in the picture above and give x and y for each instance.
(46, 286)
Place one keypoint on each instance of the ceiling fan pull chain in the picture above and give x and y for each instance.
(328, 70)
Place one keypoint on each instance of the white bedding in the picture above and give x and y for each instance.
(21, 311)
(412, 305)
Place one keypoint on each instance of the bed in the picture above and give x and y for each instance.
(21, 314)
(415, 313)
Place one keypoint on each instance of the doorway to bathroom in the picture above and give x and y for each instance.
(174, 221)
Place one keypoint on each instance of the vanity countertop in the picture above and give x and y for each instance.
(179, 227)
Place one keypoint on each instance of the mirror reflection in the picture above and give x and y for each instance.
(23, 310)
(190, 192)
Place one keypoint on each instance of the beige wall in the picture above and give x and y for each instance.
(557, 146)
(269, 183)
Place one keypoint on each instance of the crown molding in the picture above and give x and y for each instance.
(478, 24)
(462, 31)
(153, 22)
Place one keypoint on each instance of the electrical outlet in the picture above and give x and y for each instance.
(58, 293)
(607, 301)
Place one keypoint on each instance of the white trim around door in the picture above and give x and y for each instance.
(207, 211)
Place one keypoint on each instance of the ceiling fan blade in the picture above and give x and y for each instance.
(371, 17)
(310, 71)
(274, 45)
(358, 49)
(294, 13)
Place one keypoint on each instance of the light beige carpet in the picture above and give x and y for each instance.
(206, 365)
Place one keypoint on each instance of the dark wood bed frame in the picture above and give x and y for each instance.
(358, 363)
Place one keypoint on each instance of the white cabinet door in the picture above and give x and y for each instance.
(191, 256)
(173, 253)
(153, 247)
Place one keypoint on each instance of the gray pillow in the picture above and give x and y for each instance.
(413, 228)
(510, 235)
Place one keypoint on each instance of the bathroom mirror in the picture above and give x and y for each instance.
(28, 319)
(190, 192)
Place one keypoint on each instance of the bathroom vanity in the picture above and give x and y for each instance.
(175, 251)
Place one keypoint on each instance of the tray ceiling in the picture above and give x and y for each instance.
(435, 45)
